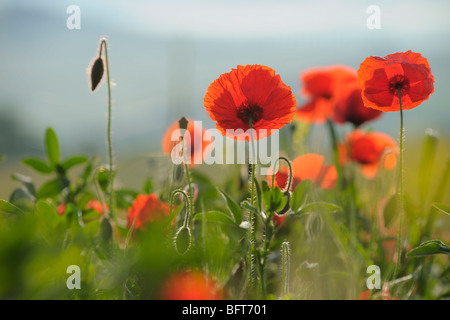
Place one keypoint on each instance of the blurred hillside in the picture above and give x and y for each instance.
(164, 54)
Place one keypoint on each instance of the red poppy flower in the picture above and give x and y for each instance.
(95, 205)
(249, 92)
(367, 149)
(146, 208)
(308, 166)
(324, 86)
(61, 208)
(377, 295)
(381, 78)
(278, 219)
(350, 108)
(194, 144)
(193, 285)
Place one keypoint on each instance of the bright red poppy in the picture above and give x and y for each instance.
(380, 80)
(191, 285)
(250, 92)
(145, 209)
(324, 87)
(369, 149)
(308, 166)
(193, 141)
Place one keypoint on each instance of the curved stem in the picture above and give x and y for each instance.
(188, 206)
(289, 183)
(400, 189)
(111, 184)
(188, 178)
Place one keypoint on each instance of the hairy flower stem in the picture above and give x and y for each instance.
(341, 182)
(187, 216)
(188, 178)
(252, 217)
(104, 45)
(289, 183)
(285, 267)
(400, 189)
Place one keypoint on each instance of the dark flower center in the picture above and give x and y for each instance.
(398, 82)
(246, 111)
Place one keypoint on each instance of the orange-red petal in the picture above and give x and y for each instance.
(244, 88)
(376, 74)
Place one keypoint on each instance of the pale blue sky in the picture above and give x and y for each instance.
(164, 54)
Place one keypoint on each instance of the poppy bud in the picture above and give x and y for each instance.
(287, 206)
(182, 240)
(183, 122)
(97, 71)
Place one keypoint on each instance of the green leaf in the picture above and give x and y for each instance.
(247, 205)
(442, 207)
(266, 194)
(73, 161)
(22, 199)
(391, 209)
(214, 216)
(299, 194)
(37, 164)
(52, 188)
(26, 181)
(52, 147)
(87, 172)
(103, 178)
(278, 201)
(258, 194)
(148, 186)
(321, 206)
(429, 147)
(43, 207)
(6, 207)
(2, 157)
(233, 207)
(442, 186)
(428, 248)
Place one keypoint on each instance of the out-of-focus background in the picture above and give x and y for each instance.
(164, 54)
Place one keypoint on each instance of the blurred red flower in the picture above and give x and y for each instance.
(146, 208)
(368, 150)
(194, 144)
(377, 295)
(381, 78)
(279, 219)
(249, 92)
(324, 86)
(190, 285)
(308, 166)
(350, 108)
(95, 205)
(61, 208)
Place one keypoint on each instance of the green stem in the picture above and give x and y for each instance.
(400, 189)
(252, 218)
(188, 206)
(188, 178)
(111, 184)
(334, 143)
(289, 183)
(285, 266)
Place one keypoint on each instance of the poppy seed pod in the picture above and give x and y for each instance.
(97, 71)
(182, 240)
